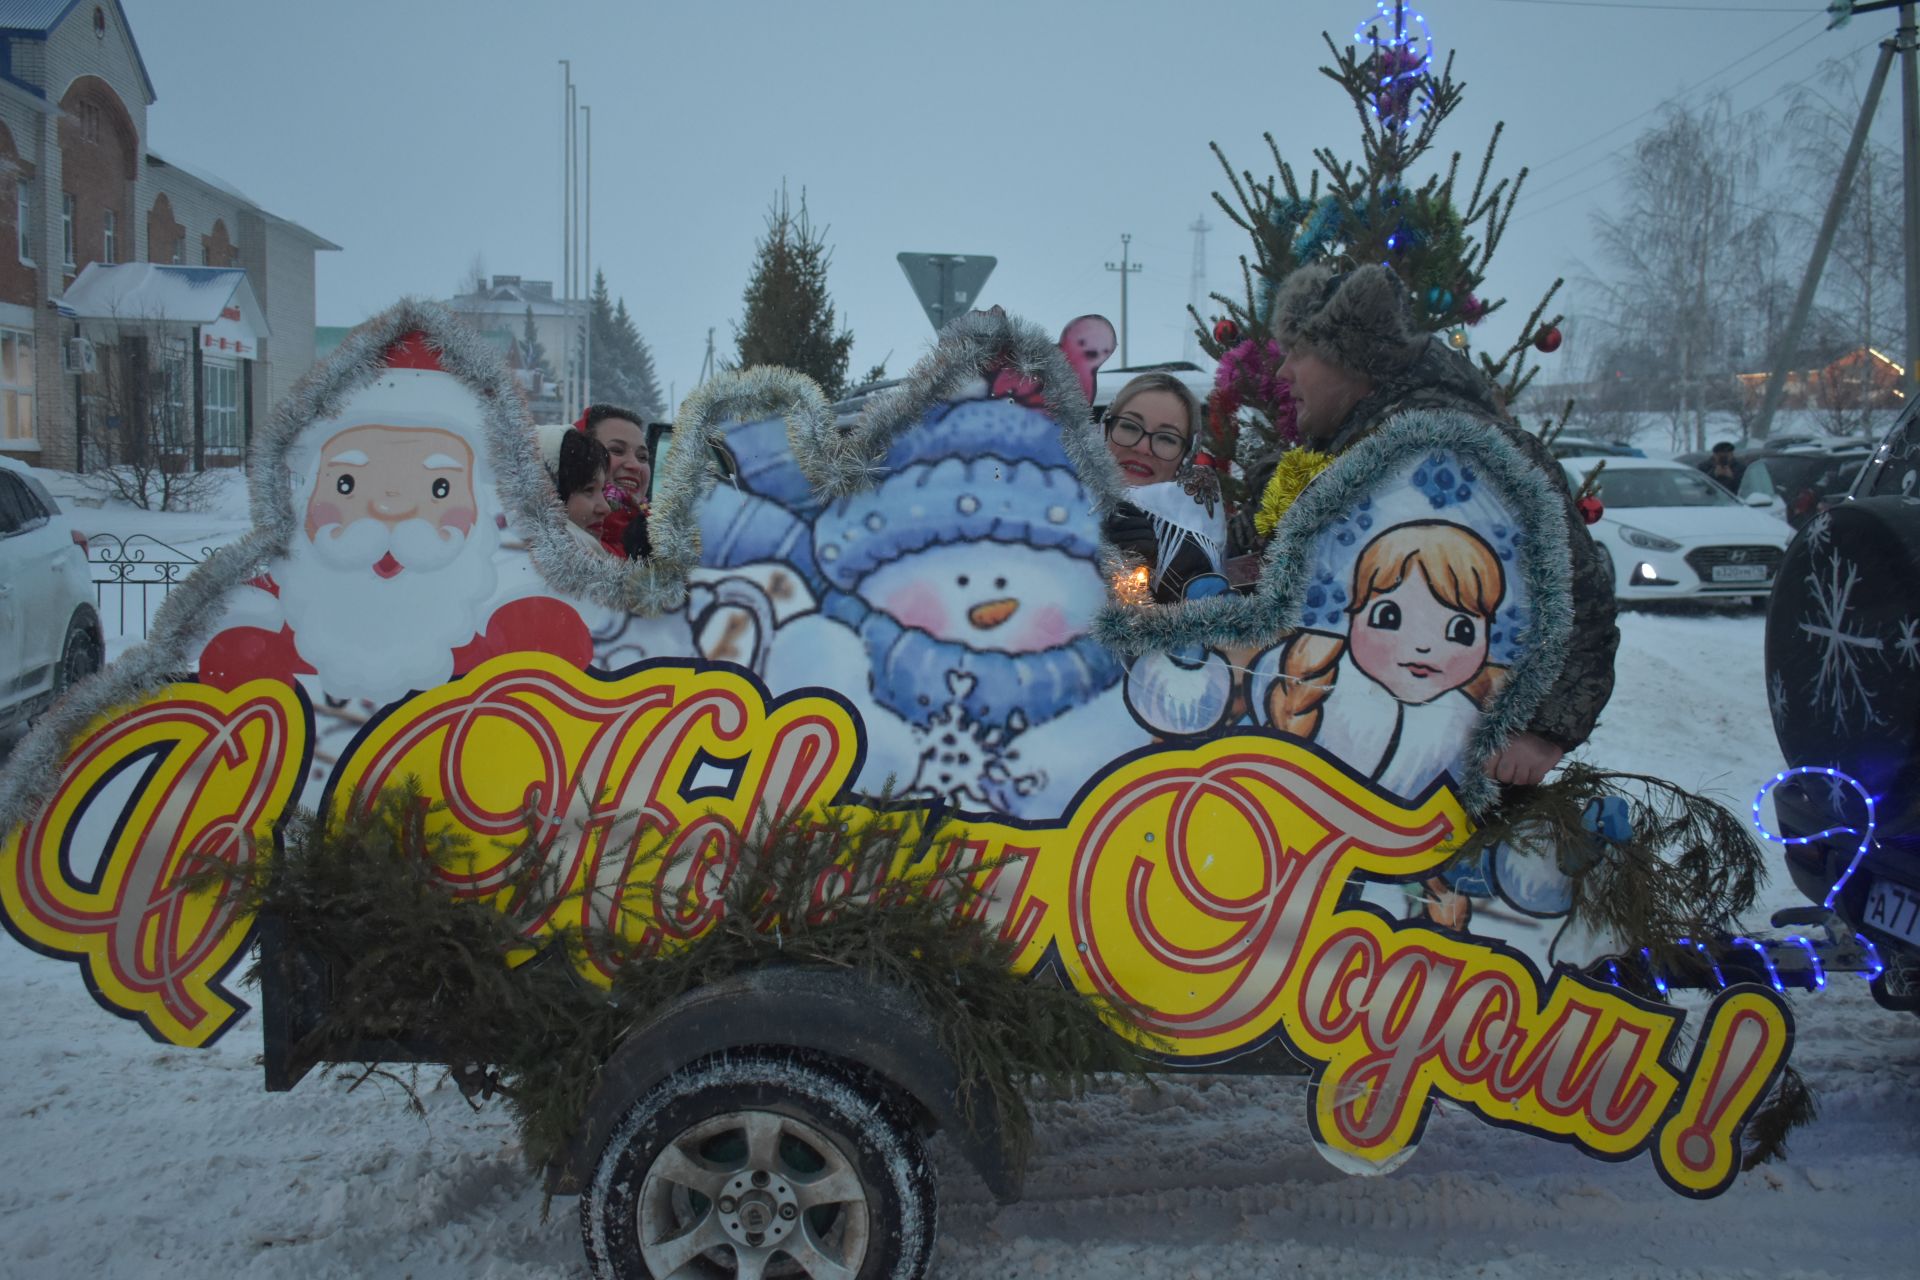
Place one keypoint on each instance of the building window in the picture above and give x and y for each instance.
(90, 121)
(222, 384)
(16, 386)
(23, 219)
(109, 239)
(66, 228)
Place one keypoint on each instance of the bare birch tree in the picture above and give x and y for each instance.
(1682, 254)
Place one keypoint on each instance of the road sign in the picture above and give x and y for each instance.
(947, 284)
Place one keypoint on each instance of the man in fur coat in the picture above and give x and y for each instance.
(1356, 359)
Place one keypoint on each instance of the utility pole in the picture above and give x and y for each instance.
(1196, 284)
(1906, 42)
(566, 179)
(586, 364)
(706, 366)
(1908, 35)
(569, 379)
(1125, 268)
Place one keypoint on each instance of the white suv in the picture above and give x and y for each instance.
(49, 630)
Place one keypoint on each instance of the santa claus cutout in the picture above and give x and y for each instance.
(391, 577)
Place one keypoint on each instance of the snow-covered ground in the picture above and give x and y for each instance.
(124, 1158)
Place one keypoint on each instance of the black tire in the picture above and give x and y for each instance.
(1606, 561)
(1843, 654)
(80, 653)
(837, 1142)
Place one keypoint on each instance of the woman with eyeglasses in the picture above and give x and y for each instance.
(1173, 519)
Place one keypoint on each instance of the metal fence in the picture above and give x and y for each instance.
(136, 573)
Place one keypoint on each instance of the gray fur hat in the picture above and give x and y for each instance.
(1360, 320)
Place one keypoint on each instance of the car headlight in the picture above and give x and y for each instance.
(1646, 541)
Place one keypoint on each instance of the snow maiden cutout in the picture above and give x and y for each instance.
(1396, 697)
(1202, 876)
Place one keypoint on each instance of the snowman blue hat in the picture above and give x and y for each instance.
(946, 487)
(955, 500)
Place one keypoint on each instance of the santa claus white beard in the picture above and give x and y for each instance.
(378, 638)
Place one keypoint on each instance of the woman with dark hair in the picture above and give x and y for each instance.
(629, 473)
(1173, 518)
(578, 464)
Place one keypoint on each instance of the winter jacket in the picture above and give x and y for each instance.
(624, 532)
(1131, 530)
(1442, 378)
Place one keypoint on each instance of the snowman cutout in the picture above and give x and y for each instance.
(958, 595)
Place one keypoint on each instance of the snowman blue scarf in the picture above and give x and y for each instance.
(1009, 691)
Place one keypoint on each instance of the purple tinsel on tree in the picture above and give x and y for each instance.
(1250, 374)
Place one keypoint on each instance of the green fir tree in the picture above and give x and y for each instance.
(622, 366)
(529, 354)
(1368, 210)
(789, 314)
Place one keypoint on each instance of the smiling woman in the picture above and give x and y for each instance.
(1173, 518)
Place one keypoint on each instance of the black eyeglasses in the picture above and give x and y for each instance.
(1168, 446)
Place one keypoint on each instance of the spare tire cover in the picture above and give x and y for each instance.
(1843, 651)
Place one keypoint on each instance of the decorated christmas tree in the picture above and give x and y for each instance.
(1373, 209)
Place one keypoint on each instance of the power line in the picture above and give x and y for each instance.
(1781, 91)
(1702, 87)
(1600, 137)
(1668, 8)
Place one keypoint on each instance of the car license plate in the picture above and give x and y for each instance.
(1894, 909)
(1739, 573)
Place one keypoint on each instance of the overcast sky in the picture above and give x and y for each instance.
(417, 135)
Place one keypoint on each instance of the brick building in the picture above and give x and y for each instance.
(79, 187)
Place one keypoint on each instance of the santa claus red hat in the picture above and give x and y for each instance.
(415, 389)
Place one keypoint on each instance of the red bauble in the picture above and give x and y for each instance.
(1226, 332)
(1547, 340)
(1590, 508)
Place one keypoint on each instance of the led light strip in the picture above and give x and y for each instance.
(1866, 836)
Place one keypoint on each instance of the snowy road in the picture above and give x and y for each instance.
(123, 1158)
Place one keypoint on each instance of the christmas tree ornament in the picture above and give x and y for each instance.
(1225, 331)
(1296, 470)
(1547, 340)
(1401, 56)
(1473, 311)
(1590, 508)
(1457, 338)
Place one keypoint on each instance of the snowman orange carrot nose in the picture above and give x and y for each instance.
(992, 613)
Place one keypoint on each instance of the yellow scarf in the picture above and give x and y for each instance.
(1296, 471)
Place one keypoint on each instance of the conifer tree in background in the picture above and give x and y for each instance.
(639, 360)
(529, 356)
(622, 366)
(789, 314)
(1359, 211)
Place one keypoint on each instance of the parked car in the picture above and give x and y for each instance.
(1670, 533)
(1893, 471)
(1802, 482)
(1109, 381)
(49, 630)
(1864, 721)
(1588, 447)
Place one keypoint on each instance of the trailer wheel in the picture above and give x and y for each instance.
(761, 1164)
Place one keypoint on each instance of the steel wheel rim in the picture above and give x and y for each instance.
(752, 1194)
